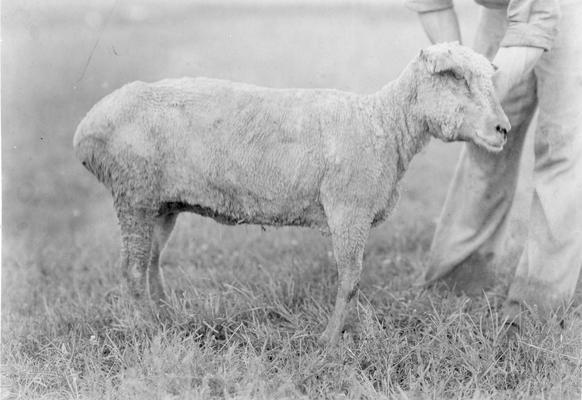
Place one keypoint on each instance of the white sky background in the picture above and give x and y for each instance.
(53, 3)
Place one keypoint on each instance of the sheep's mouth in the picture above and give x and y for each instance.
(490, 145)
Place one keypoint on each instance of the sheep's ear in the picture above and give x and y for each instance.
(443, 62)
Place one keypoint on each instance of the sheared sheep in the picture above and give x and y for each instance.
(243, 154)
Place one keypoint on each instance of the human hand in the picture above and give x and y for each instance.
(513, 64)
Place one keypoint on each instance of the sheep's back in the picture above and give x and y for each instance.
(251, 149)
(208, 142)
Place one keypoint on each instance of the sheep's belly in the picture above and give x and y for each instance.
(311, 216)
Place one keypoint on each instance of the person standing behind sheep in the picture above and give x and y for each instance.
(537, 48)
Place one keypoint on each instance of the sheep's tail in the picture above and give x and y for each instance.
(90, 144)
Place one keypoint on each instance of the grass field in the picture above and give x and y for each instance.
(249, 305)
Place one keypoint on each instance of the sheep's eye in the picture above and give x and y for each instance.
(453, 74)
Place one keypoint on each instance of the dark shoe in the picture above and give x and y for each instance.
(473, 276)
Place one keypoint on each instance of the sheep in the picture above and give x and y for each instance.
(244, 154)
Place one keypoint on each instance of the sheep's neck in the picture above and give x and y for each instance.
(400, 121)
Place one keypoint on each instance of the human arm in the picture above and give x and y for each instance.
(532, 25)
(441, 25)
(438, 18)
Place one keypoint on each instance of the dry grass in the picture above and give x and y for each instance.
(248, 304)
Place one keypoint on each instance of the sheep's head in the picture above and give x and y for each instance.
(455, 93)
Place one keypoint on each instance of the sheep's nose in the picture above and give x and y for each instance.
(502, 130)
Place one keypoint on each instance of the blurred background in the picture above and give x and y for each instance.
(60, 57)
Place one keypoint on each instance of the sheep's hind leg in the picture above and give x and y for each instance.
(163, 227)
(137, 225)
(349, 230)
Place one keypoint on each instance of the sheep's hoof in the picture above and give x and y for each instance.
(159, 299)
(164, 313)
(138, 294)
(328, 338)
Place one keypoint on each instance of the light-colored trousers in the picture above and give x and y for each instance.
(530, 192)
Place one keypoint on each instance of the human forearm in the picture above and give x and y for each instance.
(441, 25)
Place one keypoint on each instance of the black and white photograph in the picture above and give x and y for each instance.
(291, 199)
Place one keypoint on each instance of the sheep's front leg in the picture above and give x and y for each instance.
(349, 232)
(136, 243)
